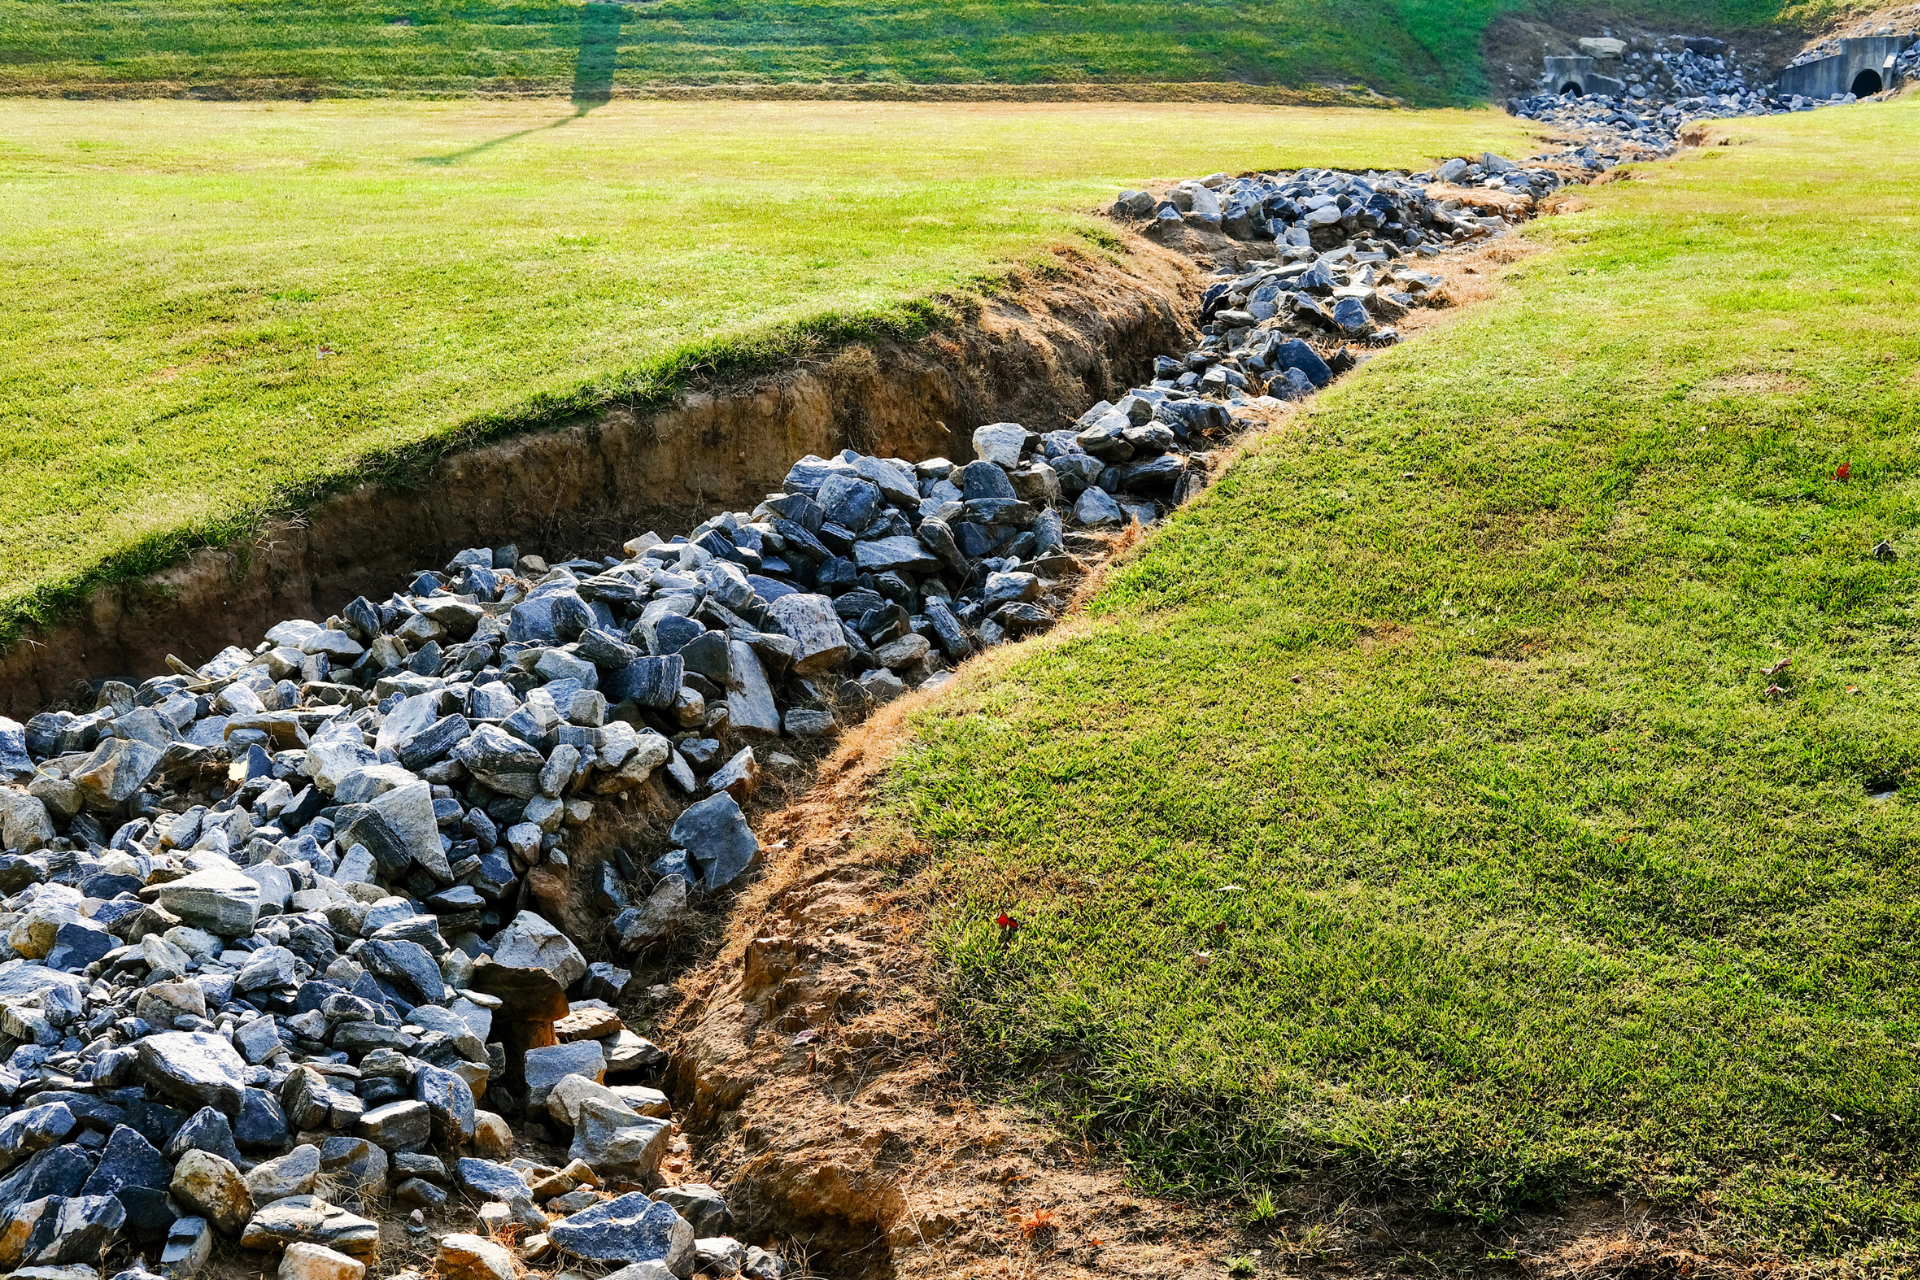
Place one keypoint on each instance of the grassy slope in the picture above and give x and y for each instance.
(209, 308)
(1442, 723)
(1425, 51)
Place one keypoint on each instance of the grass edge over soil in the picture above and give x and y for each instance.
(641, 389)
(1160, 806)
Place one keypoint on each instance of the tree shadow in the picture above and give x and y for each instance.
(593, 69)
(599, 53)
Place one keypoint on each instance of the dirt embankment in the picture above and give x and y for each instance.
(1060, 336)
(817, 1081)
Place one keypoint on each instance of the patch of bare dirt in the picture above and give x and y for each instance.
(821, 1086)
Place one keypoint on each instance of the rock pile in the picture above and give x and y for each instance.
(186, 1064)
(1691, 78)
(267, 942)
(271, 942)
(1310, 212)
(1345, 267)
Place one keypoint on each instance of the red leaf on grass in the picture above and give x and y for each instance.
(1845, 469)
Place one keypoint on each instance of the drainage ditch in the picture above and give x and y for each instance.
(303, 894)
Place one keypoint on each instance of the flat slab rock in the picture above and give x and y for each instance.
(311, 1220)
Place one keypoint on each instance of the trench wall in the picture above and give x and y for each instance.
(1056, 339)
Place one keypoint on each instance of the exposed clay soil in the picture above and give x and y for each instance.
(819, 1086)
(1065, 334)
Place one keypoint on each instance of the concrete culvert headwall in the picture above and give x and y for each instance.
(1859, 68)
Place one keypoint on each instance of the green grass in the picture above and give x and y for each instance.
(1443, 725)
(212, 311)
(1426, 52)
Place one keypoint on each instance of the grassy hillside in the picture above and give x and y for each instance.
(1505, 783)
(1423, 51)
(211, 310)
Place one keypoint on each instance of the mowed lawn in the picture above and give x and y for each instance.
(1503, 782)
(1426, 52)
(210, 310)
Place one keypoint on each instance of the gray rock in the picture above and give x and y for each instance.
(407, 965)
(716, 836)
(901, 552)
(60, 1231)
(649, 682)
(449, 1100)
(1000, 443)
(984, 480)
(291, 1175)
(193, 1067)
(808, 722)
(25, 824)
(189, 1243)
(206, 1130)
(33, 1129)
(719, 1255)
(397, 1126)
(704, 1208)
(752, 712)
(268, 969)
(216, 899)
(117, 768)
(1012, 586)
(210, 1186)
(486, 1180)
(606, 982)
(15, 764)
(408, 811)
(502, 761)
(530, 942)
(815, 628)
(418, 1191)
(630, 1228)
(616, 1142)
(314, 1221)
(1097, 509)
(660, 916)
(354, 1167)
(257, 1040)
(547, 1066)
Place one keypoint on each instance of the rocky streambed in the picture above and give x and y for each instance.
(296, 939)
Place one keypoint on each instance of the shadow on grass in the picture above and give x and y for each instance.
(593, 70)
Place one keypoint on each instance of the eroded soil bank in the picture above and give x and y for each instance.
(1059, 337)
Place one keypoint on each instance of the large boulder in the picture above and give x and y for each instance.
(549, 1065)
(631, 1228)
(716, 836)
(194, 1067)
(210, 1186)
(293, 1174)
(313, 1220)
(530, 942)
(220, 900)
(616, 1142)
(462, 1256)
(58, 1231)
